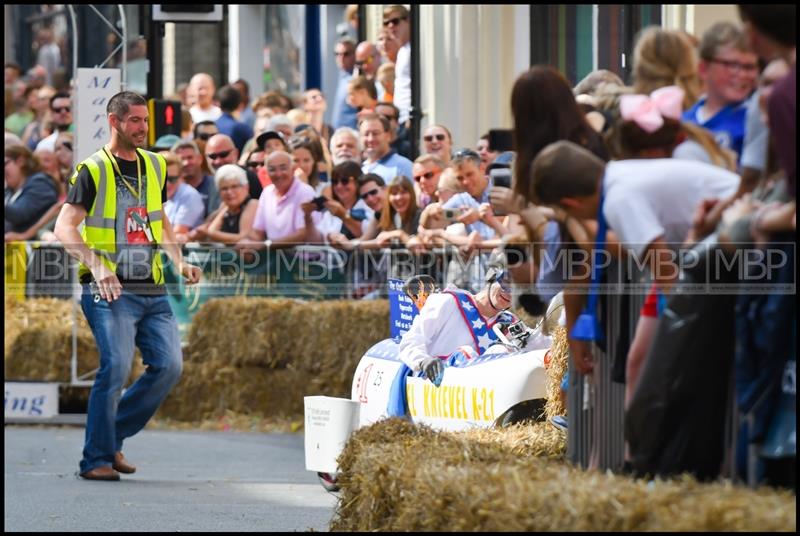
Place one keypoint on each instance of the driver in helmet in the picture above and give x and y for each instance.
(454, 319)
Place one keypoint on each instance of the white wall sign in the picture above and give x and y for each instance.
(94, 88)
(30, 400)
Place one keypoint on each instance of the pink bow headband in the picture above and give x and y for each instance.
(649, 111)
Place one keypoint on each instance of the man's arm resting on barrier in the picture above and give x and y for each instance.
(67, 233)
(190, 272)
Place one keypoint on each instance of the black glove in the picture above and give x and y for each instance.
(433, 368)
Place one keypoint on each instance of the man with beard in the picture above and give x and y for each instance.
(119, 192)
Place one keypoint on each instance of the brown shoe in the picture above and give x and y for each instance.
(104, 472)
(122, 465)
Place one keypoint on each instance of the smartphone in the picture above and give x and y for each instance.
(500, 177)
(358, 214)
(500, 140)
(320, 202)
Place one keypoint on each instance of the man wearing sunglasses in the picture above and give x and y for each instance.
(452, 320)
(368, 59)
(427, 169)
(344, 115)
(61, 114)
(220, 150)
(438, 141)
(396, 20)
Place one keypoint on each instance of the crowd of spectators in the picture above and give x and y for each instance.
(702, 141)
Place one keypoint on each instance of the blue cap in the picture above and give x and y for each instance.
(166, 142)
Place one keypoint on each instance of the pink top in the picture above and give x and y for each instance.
(280, 216)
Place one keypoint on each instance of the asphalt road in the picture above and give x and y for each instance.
(186, 481)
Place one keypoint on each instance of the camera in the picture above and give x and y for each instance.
(501, 177)
(319, 202)
(516, 329)
(449, 214)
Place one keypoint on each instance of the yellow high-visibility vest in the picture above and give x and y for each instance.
(99, 231)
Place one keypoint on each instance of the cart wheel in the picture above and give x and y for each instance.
(328, 482)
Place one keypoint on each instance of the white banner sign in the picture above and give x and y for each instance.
(31, 400)
(94, 89)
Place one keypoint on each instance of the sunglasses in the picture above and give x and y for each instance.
(221, 154)
(61, 109)
(365, 62)
(253, 164)
(428, 175)
(370, 193)
(204, 136)
(467, 153)
(67, 145)
(342, 53)
(429, 137)
(343, 181)
(395, 21)
(172, 178)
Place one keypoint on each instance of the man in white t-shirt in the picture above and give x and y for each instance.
(203, 88)
(396, 20)
(649, 204)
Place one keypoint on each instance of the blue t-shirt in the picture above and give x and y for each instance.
(238, 131)
(727, 125)
(343, 114)
(464, 200)
(389, 167)
(186, 207)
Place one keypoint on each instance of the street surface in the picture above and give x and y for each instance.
(185, 481)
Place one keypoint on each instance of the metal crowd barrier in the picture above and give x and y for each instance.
(36, 269)
(596, 403)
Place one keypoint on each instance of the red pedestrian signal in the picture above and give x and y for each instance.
(165, 118)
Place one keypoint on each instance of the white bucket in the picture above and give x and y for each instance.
(329, 421)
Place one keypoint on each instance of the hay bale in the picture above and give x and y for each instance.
(403, 477)
(261, 356)
(559, 363)
(38, 341)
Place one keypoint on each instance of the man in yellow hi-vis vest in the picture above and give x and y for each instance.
(118, 192)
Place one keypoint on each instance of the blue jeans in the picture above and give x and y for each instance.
(147, 322)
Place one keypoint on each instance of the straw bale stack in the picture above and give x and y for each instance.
(403, 477)
(38, 342)
(559, 362)
(261, 356)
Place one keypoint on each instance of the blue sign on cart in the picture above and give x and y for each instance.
(401, 309)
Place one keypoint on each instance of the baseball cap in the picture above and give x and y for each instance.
(165, 142)
(262, 138)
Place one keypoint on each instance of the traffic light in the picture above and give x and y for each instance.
(165, 118)
(187, 13)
